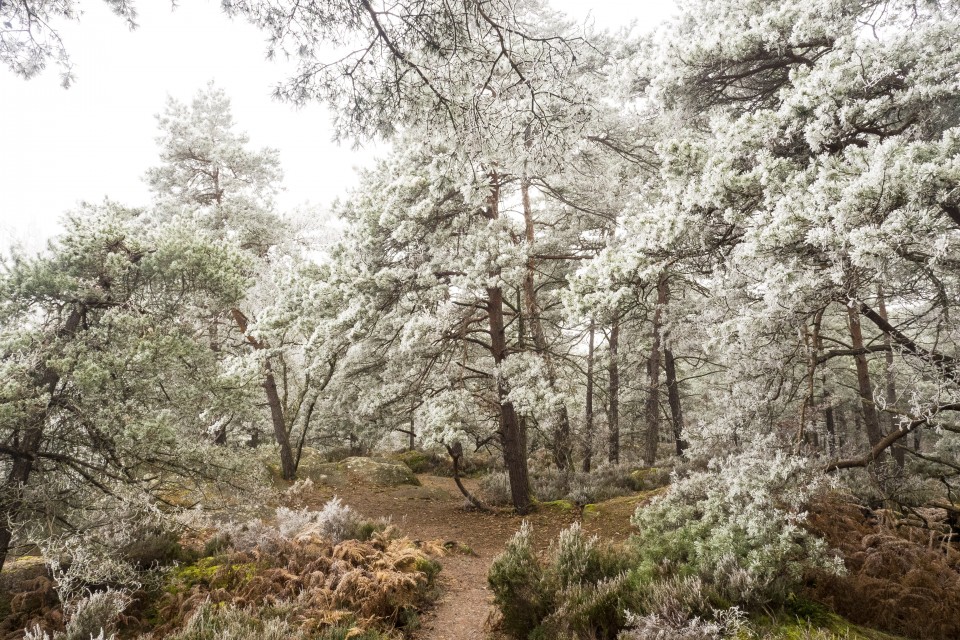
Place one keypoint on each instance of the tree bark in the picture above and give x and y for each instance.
(288, 466)
(511, 437)
(29, 445)
(871, 420)
(588, 418)
(456, 452)
(613, 407)
(653, 374)
(890, 384)
(673, 397)
(512, 432)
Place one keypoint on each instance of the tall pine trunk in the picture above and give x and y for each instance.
(890, 384)
(673, 397)
(588, 417)
(613, 393)
(871, 420)
(512, 430)
(653, 374)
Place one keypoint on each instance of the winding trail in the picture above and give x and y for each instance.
(435, 512)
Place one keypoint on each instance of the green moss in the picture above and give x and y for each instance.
(559, 505)
(210, 572)
(417, 461)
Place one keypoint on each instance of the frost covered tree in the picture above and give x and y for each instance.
(209, 176)
(29, 37)
(810, 197)
(104, 373)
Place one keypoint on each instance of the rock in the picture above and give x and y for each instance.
(383, 473)
(379, 472)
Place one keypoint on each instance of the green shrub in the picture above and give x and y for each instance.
(516, 579)
(581, 589)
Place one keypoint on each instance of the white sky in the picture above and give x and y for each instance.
(59, 147)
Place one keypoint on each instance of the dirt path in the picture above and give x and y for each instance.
(436, 511)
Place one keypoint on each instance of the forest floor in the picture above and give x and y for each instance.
(435, 511)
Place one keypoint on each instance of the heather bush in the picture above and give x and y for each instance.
(92, 617)
(580, 589)
(724, 624)
(216, 622)
(335, 522)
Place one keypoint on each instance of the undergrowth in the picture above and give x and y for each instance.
(548, 484)
(317, 575)
(901, 577)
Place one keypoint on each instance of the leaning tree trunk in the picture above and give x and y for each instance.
(871, 420)
(613, 403)
(27, 447)
(562, 445)
(653, 375)
(288, 466)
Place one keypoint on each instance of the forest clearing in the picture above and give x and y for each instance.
(626, 335)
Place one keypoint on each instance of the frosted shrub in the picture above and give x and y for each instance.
(298, 491)
(94, 613)
(92, 617)
(115, 540)
(724, 624)
(739, 526)
(494, 488)
(250, 535)
(292, 522)
(336, 522)
(217, 622)
(678, 599)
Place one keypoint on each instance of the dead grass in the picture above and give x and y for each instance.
(381, 582)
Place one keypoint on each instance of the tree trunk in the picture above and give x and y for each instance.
(456, 452)
(653, 374)
(288, 467)
(512, 432)
(871, 420)
(588, 418)
(890, 384)
(673, 397)
(562, 454)
(29, 446)
(511, 437)
(613, 407)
